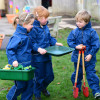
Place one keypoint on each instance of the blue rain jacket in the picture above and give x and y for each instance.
(86, 36)
(19, 47)
(41, 38)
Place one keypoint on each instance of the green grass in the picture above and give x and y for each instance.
(61, 87)
(95, 20)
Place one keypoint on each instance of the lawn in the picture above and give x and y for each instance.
(61, 87)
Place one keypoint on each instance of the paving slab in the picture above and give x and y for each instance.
(5, 27)
(5, 42)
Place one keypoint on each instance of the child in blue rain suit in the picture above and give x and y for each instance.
(41, 39)
(85, 35)
(18, 51)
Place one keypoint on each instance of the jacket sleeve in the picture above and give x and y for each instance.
(34, 39)
(12, 48)
(52, 40)
(71, 39)
(95, 43)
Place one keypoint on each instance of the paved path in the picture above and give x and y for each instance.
(67, 22)
(5, 27)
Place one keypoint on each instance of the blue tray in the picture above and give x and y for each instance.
(58, 50)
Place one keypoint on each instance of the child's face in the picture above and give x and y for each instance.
(17, 20)
(28, 26)
(43, 20)
(80, 23)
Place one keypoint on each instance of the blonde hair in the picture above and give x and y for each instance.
(83, 15)
(15, 22)
(25, 18)
(40, 11)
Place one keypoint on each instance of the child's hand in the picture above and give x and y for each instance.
(59, 44)
(15, 64)
(88, 57)
(41, 51)
(80, 47)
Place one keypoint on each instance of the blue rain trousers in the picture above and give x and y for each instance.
(91, 76)
(25, 88)
(43, 76)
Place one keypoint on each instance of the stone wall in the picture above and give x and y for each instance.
(94, 8)
(22, 3)
(64, 7)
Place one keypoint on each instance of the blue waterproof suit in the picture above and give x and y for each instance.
(44, 72)
(19, 48)
(88, 37)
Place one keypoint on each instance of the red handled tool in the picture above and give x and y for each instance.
(85, 89)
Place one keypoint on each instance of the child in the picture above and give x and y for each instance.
(85, 35)
(18, 51)
(42, 39)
